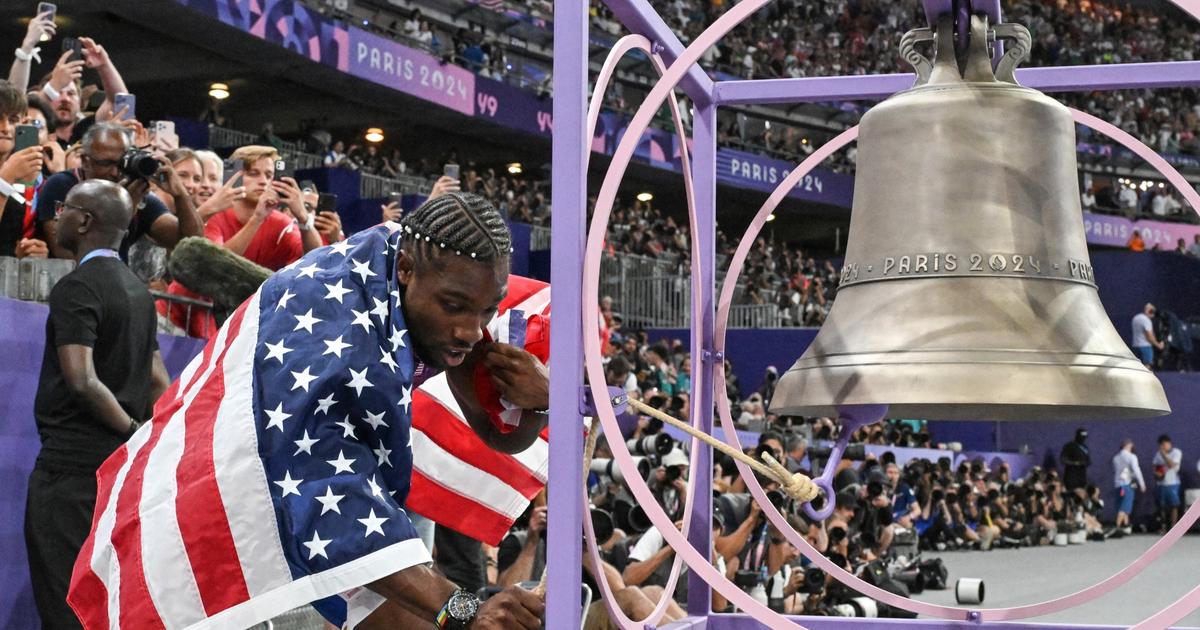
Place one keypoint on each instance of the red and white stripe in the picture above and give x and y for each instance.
(457, 480)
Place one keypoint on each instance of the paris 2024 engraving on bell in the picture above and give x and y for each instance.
(966, 264)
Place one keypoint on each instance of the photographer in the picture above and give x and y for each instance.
(108, 155)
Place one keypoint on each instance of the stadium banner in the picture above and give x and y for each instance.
(285, 23)
(413, 72)
(513, 107)
(1115, 231)
(748, 170)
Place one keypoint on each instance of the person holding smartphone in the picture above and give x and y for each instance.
(18, 169)
(63, 88)
(41, 28)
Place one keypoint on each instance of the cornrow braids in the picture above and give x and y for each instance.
(458, 223)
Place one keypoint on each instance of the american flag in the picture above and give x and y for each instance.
(275, 468)
(457, 481)
(494, 5)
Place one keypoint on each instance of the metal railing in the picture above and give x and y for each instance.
(223, 138)
(539, 238)
(377, 186)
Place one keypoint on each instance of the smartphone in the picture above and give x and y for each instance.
(26, 136)
(326, 202)
(121, 101)
(283, 169)
(395, 197)
(451, 171)
(52, 10)
(72, 44)
(232, 169)
(163, 136)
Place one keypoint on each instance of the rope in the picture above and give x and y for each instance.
(797, 486)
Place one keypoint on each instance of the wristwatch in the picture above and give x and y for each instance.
(458, 612)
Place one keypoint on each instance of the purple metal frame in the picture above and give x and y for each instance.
(571, 146)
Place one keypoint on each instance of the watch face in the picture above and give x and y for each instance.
(463, 606)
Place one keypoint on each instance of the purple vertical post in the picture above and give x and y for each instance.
(704, 168)
(569, 199)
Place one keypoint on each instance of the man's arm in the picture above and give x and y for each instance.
(421, 591)
(520, 378)
(159, 378)
(19, 74)
(79, 372)
(522, 568)
(167, 230)
(730, 546)
(96, 57)
(638, 572)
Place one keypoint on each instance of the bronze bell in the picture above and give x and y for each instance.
(967, 291)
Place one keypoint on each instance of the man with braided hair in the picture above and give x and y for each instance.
(322, 399)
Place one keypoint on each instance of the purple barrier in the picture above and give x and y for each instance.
(22, 326)
(1106, 229)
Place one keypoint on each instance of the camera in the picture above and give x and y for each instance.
(746, 579)
(658, 444)
(139, 164)
(609, 468)
(853, 452)
(814, 581)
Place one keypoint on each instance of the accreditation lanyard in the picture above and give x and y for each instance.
(103, 252)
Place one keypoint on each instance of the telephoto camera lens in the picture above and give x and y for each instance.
(138, 164)
(659, 444)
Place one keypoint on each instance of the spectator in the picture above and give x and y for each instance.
(1136, 244)
(336, 156)
(64, 89)
(1166, 475)
(103, 146)
(1088, 200)
(269, 224)
(1144, 341)
(42, 25)
(1194, 248)
(1181, 247)
(1076, 458)
(17, 169)
(1127, 479)
(101, 374)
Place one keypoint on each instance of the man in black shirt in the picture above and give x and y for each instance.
(1076, 458)
(101, 374)
(103, 145)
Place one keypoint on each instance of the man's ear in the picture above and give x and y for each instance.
(405, 267)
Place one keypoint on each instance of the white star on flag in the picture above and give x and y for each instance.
(289, 485)
(340, 247)
(336, 291)
(380, 310)
(283, 299)
(347, 428)
(276, 351)
(302, 379)
(375, 489)
(375, 420)
(304, 444)
(384, 455)
(405, 397)
(278, 415)
(341, 464)
(309, 271)
(329, 502)
(388, 360)
(335, 347)
(316, 546)
(358, 380)
(306, 321)
(374, 524)
(398, 338)
(324, 404)
(362, 269)
(362, 318)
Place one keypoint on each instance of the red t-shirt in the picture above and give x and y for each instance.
(275, 245)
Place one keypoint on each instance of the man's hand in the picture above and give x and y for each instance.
(40, 25)
(23, 166)
(537, 522)
(56, 158)
(329, 224)
(138, 188)
(444, 185)
(512, 608)
(94, 54)
(521, 379)
(290, 195)
(795, 581)
(392, 211)
(32, 248)
(267, 202)
(65, 72)
(168, 179)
